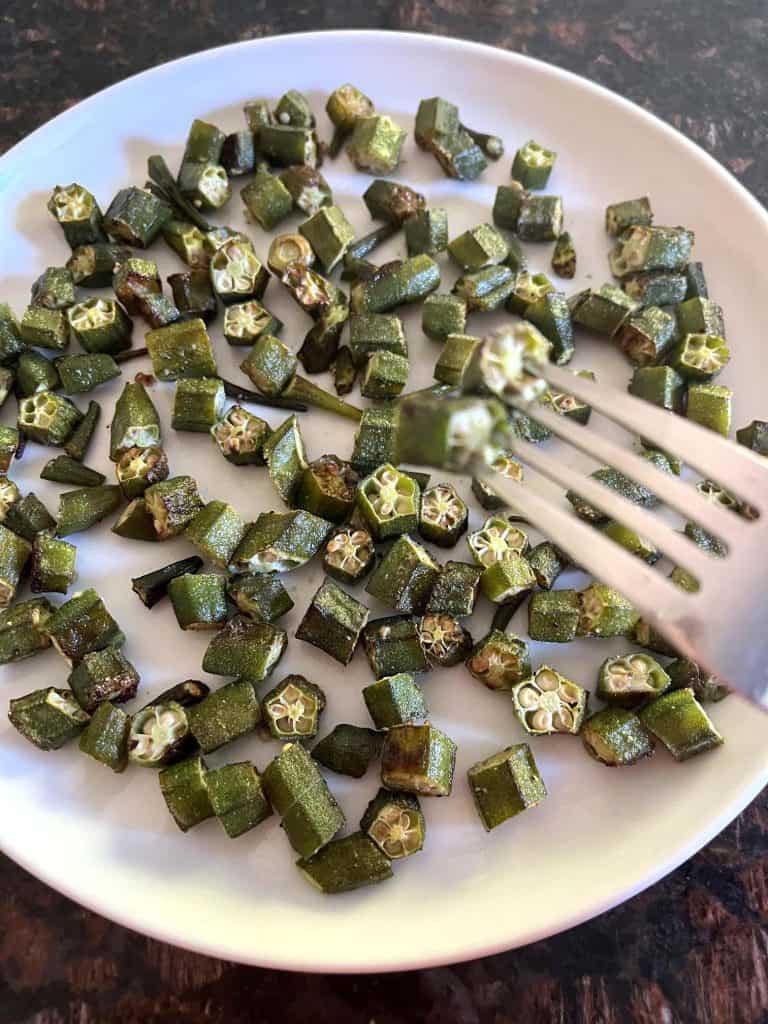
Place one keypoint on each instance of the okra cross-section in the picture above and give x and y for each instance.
(395, 700)
(279, 542)
(247, 649)
(388, 501)
(327, 488)
(404, 578)
(642, 247)
(395, 822)
(631, 679)
(49, 718)
(533, 165)
(497, 540)
(604, 612)
(444, 640)
(78, 214)
(349, 555)
(500, 661)
(548, 703)
(224, 715)
(240, 436)
(160, 733)
(100, 325)
(333, 622)
(237, 273)
(47, 418)
(260, 596)
(292, 709)
(443, 515)
(418, 759)
(348, 750)
(505, 784)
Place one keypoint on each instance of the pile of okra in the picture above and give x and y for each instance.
(363, 514)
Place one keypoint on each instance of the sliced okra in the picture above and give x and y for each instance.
(385, 376)
(105, 737)
(308, 188)
(568, 405)
(199, 600)
(395, 822)
(246, 322)
(158, 311)
(551, 315)
(11, 342)
(395, 700)
(507, 205)
(627, 214)
(644, 635)
(77, 213)
(205, 184)
(45, 328)
(14, 554)
(267, 200)
(427, 231)
(604, 612)
(53, 565)
(389, 502)
(710, 406)
(7, 381)
(103, 676)
(237, 273)
(188, 242)
(317, 353)
(349, 555)
(455, 356)
(100, 325)
(696, 282)
(554, 616)
(631, 679)
(237, 797)
(505, 784)
(344, 107)
(443, 315)
(182, 349)
(409, 281)
(392, 646)
(637, 493)
(642, 248)
(314, 293)
(501, 463)
(329, 233)
(632, 542)
(376, 438)
(204, 143)
(354, 256)
(85, 507)
(135, 423)
(444, 640)
(393, 202)
(486, 290)
(443, 515)
(287, 144)
(28, 516)
(564, 256)
(646, 336)
(491, 145)
(285, 457)
(197, 404)
(375, 332)
(502, 364)
(49, 718)
(533, 165)
(455, 590)
(279, 542)
(9, 496)
(445, 432)
(327, 488)
(706, 687)
(375, 144)
(439, 131)
(139, 468)
(678, 721)
(333, 622)
(216, 531)
(500, 661)
(193, 294)
(508, 581)
(548, 703)
(9, 445)
(657, 287)
(404, 577)
(82, 373)
(135, 522)
(418, 759)
(22, 629)
(173, 503)
(348, 750)
(153, 586)
(136, 216)
(700, 357)
(477, 248)
(497, 540)
(540, 218)
(616, 737)
(224, 715)
(602, 310)
(754, 436)
(240, 436)
(270, 365)
(289, 248)
(245, 648)
(63, 469)
(661, 385)
(185, 792)
(258, 113)
(185, 694)
(260, 596)
(134, 279)
(699, 316)
(54, 289)
(346, 864)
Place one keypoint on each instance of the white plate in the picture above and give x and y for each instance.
(601, 836)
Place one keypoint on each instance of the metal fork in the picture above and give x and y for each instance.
(723, 626)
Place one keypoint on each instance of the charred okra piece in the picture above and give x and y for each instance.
(240, 436)
(285, 457)
(85, 507)
(349, 555)
(308, 188)
(47, 418)
(564, 256)
(316, 295)
(136, 216)
(14, 553)
(631, 679)
(65, 470)
(710, 406)
(454, 358)
(54, 289)
(22, 629)
(197, 404)
(628, 214)
(409, 281)
(444, 640)
(345, 106)
(706, 687)
(657, 288)
(329, 233)
(644, 248)
(224, 715)
(28, 516)
(404, 577)
(103, 676)
(135, 423)
(289, 248)
(77, 213)
(199, 601)
(139, 468)
(292, 709)
(134, 281)
(105, 737)
(298, 792)
(333, 622)
(548, 703)
(394, 821)
(392, 646)
(181, 349)
(370, 333)
(533, 165)
(348, 750)
(505, 784)
(53, 565)
(185, 792)
(327, 488)
(45, 328)
(246, 322)
(540, 218)
(279, 542)
(375, 144)
(455, 590)
(395, 700)
(445, 432)
(247, 649)
(443, 315)
(439, 131)
(193, 294)
(153, 586)
(267, 200)
(173, 503)
(393, 202)
(645, 336)
(418, 759)
(237, 273)
(83, 373)
(500, 661)
(551, 315)
(661, 385)
(553, 616)
(237, 797)
(388, 501)
(443, 515)
(427, 232)
(681, 724)
(49, 718)
(287, 144)
(604, 612)
(82, 625)
(262, 596)
(700, 357)
(216, 531)
(477, 248)
(346, 864)
(616, 737)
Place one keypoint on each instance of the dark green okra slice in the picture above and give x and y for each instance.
(185, 792)
(405, 577)
(604, 612)
(49, 718)
(333, 622)
(10, 440)
(392, 646)
(443, 515)
(444, 640)
(287, 144)
(548, 703)
(486, 290)
(285, 456)
(657, 288)
(629, 680)
(292, 709)
(696, 282)
(454, 358)
(616, 737)
(82, 373)
(267, 200)
(270, 365)
(344, 107)
(445, 431)
(35, 373)
(224, 715)
(678, 721)
(500, 661)
(401, 283)
(54, 289)
(646, 336)
(706, 687)
(28, 516)
(77, 444)
(504, 465)
(318, 351)
(642, 248)
(100, 326)
(754, 436)
(478, 247)
(375, 332)
(327, 488)
(279, 542)
(216, 531)
(85, 507)
(627, 214)
(443, 315)
(637, 493)
(22, 629)
(11, 342)
(135, 522)
(349, 554)
(173, 504)
(240, 436)
(439, 131)
(395, 822)
(395, 700)
(138, 468)
(700, 357)
(246, 322)
(105, 737)
(193, 294)
(63, 469)
(427, 231)
(505, 784)
(348, 750)
(418, 759)
(385, 376)
(375, 144)
(53, 565)
(47, 418)
(101, 676)
(710, 405)
(204, 143)
(77, 213)
(237, 797)
(245, 648)
(261, 596)
(182, 349)
(547, 562)
(134, 280)
(329, 233)
(661, 385)
(153, 586)
(540, 218)
(135, 423)
(533, 165)
(392, 201)
(82, 625)
(308, 188)
(136, 216)
(602, 310)
(9, 496)
(699, 316)
(564, 256)
(507, 204)
(376, 438)
(455, 590)
(15, 551)
(346, 864)
(205, 184)
(7, 381)
(45, 328)
(344, 371)
(388, 501)
(508, 581)
(551, 315)
(553, 616)
(199, 600)
(293, 108)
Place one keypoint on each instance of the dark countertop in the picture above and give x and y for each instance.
(692, 949)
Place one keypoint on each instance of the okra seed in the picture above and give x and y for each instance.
(528, 697)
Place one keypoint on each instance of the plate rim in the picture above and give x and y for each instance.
(683, 851)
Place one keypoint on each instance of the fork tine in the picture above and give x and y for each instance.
(668, 488)
(733, 466)
(671, 543)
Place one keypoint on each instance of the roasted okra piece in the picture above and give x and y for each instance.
(568, 405)
(533, 165)
(204, 184)
(63, 469)
(604, 612)
(14, 553)
(135, 423)
(385, 376)
(696, 282)
(289, 248)
(505, 784)
(316, 295)
(77, 213)
(47, 418)
(292, 709)
(329, 233)
(9, 445)
(287, 144)
(267, 200)
(443, 515)
(439, 131)
(455, 590)
(508, 581)
(45, 328)
(500, 661)
(627, 214)
(349, 555)
(298, 792)
(553, 616)
(246, 322)
(293, 108)
(139, 468)
(706, 687)
(393, 202)
(185, 792)
(270, 365)
(237, 797)
(486, 290)
(100, 325)
(82, 625)
(443, 315)
(22, 629)
(418, 759)
(103, 676)
(28, 516)
(136, 216)
(661, 385)
(540, 218)
(262, 596)
(754, 436)
(548, 703)
(616, 737)
(454, 358)
(376, 438)
(279, 542)
(199, 600)
(285, 458)
(216, 531)
(681, 724)
(409, 281)
(153, 586)
(134, 280)
(479, 247)
(81, 373)
(643, 248)
(135, 522)
(348, 750)
(375, 144)
(182, 349)
(11, 342)
(443, 431)
(657, 287)
(173, 503)
(53, 565)
(700, 357)
(193, 294)
(237, 273)
(646, 336)
(346, 864)
(395, 822)
(699, 316)
(197, 404)
(9, 496)
(710, 406)
(344, 107)
(388, 501)
(505, 362)
(564, 256)
(395, 700)
(49, 718)
(602, 310)
(224, 715)
(308, 188)
(497, 540)
(327, 488)
(375, 332)
(54, 289)
(392, 646)
(245, 648)
(105, 737)
(637, 493)
(507, 205)
(444, 640)
(187, 241)
(631, 679)
(333, 622)
(404, 577)
(240, 436)
(85, 507)
(427, 231)
(551, 315)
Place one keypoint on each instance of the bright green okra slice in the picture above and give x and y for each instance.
(216, 531)
(642, 247)
(185, 792)
(105, 737)
(85, 507)
(173, 504)
(631, 679)
(280, 542)
(500, 661)
(554, 616)
(633, 542)
(604, 612)
(22, 629)
(49, 718)
(505, 784)
(135, 423)
(488, 289)
(699, 316)
(395, 822)
(404, 578)
(454, 358)
(181, 349)
(395, 700)
(548, 703)
(710, 405)
(443, 315)
(646, 336)
(245, 648)
(388, 501)
(348, 750)
(14, 554)
(627, 214)
(392, 645)
(678, 721)
(508, 580)
(497, 540)
(240, 436)
(237, 797)
(224, 715)
(602, 310)
(406, 282)
(47, 418)
(53, 565)
(616, 737)
(197, 404)
(199, 600)
(661, 385)
(346, 864)
(261, 596)
(444, 640)
(375, 144)
(292, 709)
(375, 332)
(286, 459)
(270, 365)
(297, 791)
(385, 376)
(533, 165)
(82, 373)
(478, 247)
(333, 622)
(101, 676)
(418, 759)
